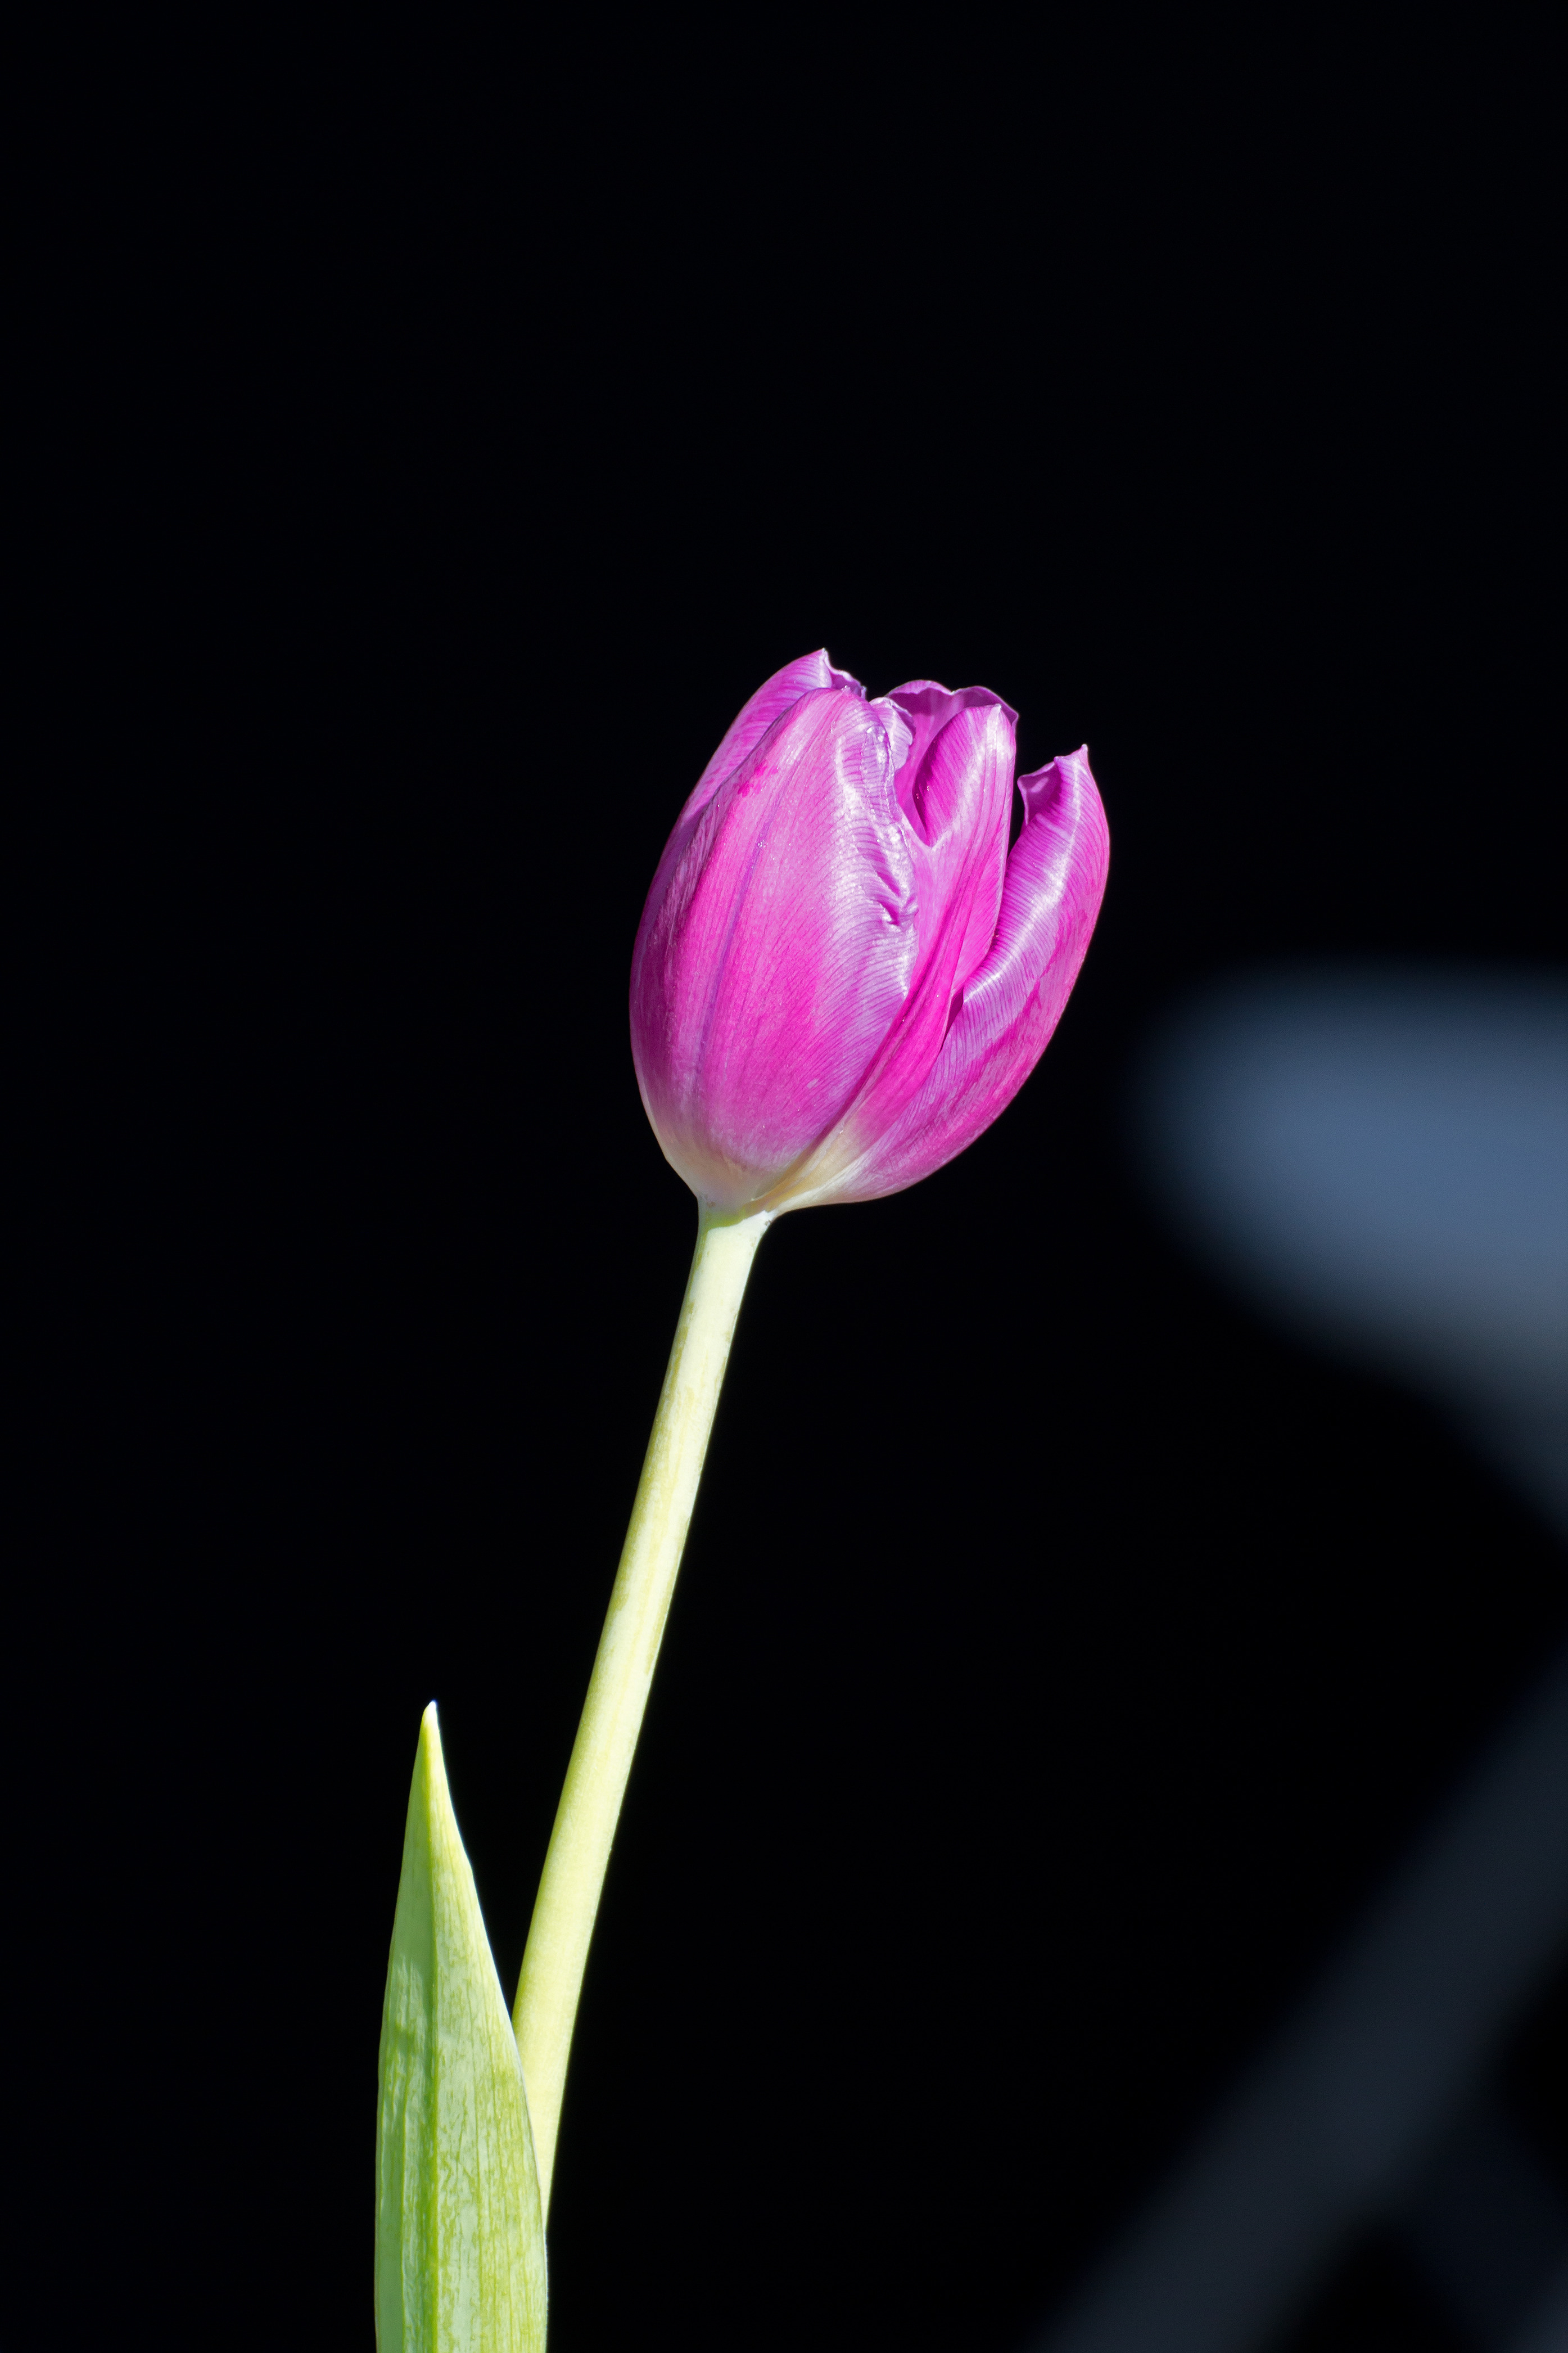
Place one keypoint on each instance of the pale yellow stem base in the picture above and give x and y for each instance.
(563, 1921)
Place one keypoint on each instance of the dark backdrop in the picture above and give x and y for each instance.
(1060, 1656)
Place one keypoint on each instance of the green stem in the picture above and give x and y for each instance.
(563, 1924)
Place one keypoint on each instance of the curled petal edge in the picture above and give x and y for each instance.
(775, 697)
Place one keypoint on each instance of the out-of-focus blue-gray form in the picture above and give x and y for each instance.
(1380, 1158)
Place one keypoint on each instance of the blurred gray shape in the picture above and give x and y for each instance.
(1547, 2329)
(1334, 2124)
(1380, 1155)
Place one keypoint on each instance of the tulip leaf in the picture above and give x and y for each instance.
(459, 2234)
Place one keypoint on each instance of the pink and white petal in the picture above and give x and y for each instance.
(917, 712)
(1054, 883)
(810, 674)
(781, 952)
(958, 841)
(957, 789)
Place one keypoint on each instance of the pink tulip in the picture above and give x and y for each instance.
(842, 974)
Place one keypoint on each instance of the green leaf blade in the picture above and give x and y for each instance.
(460, 2233)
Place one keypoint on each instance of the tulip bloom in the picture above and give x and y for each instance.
(842, 974)
(841, 977)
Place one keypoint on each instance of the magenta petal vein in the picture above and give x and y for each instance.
(842, 974)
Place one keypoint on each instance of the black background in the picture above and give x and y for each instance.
(1061, 1657)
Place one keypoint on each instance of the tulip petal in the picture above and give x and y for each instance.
(779, 952)
(1054, 882)
(810, 675)
(956, 787)
(954, 791)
